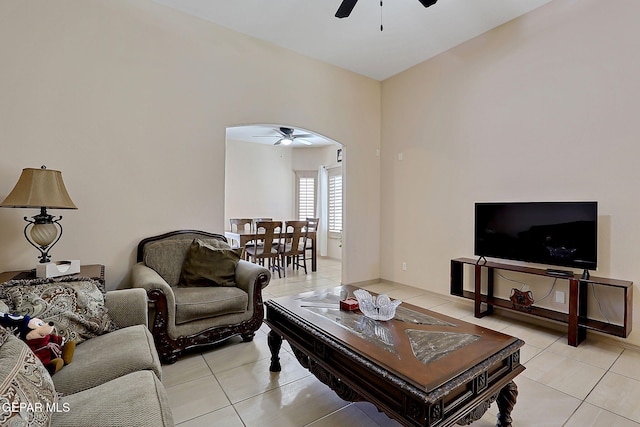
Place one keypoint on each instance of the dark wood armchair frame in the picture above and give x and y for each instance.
(169, 349)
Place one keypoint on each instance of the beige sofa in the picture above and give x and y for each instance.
(113, 380)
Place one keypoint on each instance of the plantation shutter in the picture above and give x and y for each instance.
(306, 198)
(335, 201)
(306, 194)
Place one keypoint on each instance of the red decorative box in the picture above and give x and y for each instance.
(349, 304)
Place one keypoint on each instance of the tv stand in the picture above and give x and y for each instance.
(576, 320)
(559, 273)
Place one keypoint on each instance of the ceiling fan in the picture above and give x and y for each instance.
(287, 136)
(347, 6)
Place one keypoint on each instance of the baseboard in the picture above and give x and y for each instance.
(367, 282)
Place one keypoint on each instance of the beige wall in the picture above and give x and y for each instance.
(542, 108)
(131, 100)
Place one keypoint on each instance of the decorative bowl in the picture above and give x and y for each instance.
(380, 308)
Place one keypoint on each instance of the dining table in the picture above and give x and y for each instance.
(244, 236)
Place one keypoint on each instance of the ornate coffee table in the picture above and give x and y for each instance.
(421, 368)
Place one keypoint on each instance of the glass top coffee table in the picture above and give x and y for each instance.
(421, 368)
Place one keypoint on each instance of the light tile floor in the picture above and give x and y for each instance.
(594, 384)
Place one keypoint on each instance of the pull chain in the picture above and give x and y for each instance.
(381, 27)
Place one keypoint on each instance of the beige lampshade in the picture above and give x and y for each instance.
(39, 188)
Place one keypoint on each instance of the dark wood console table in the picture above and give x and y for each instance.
(576, 319)
(421, 368)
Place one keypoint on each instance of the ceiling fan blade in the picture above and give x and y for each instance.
(427, 3)
(278, 142)
(303, 135)
(345, 8)
(304, 142)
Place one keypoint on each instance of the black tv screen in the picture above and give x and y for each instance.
(554, 233)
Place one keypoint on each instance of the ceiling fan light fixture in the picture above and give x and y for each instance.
(286, 141)
(346, 6)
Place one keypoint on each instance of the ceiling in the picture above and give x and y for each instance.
(412, 33)
(266, 134)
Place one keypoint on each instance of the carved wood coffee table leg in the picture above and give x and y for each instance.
(506, 401)
(275, 342)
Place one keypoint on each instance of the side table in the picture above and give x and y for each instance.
(93, 271)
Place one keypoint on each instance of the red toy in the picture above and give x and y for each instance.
(38, 334)
(50, 348)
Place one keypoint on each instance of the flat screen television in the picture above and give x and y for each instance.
(553, 233)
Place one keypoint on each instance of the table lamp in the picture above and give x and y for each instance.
(40, 188)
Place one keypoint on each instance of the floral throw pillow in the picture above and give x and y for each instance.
(27, 392)
(75, 307)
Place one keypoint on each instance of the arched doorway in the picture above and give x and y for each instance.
(267, 175)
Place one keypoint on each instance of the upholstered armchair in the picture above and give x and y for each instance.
(195, 302)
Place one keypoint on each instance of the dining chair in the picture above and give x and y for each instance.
(312, 226)
(257, 220)
(293, 250)
(268, 240)
(238, 224)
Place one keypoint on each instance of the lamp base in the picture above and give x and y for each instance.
(58, 268)
(44, 233)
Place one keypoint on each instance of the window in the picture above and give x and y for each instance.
(335, 200)
(306, 194)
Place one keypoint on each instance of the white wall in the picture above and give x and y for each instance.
(131, 100)
(312, 159)
(305, 159)
(259, 181)
(541, 108)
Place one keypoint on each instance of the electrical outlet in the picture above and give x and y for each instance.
(560, 297)
(404, 266)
